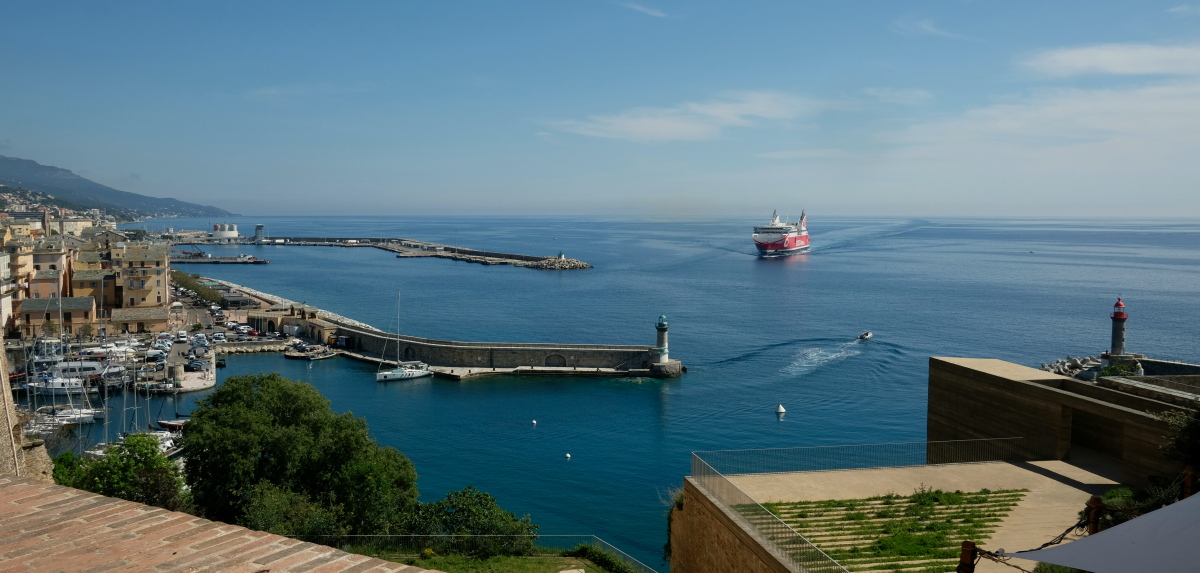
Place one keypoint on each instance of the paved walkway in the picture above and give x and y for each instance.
(1057, 491)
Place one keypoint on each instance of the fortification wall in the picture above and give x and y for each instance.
(708, 537)
(983, 398)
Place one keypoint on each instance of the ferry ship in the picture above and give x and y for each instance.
(781, 238)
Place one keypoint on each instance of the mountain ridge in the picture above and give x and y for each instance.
(65, 184)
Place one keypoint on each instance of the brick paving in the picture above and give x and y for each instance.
(53, 528)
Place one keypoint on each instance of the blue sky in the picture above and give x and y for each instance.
(585, 107)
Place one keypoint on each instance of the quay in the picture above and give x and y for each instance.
(458, 360)
(241, 260)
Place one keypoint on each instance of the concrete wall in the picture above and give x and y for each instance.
(1167, 368)
(706, 537)
(496, 354)
(985, 398)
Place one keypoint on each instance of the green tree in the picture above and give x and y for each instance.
(265, 428)
(86, 330)
(475, 513)
(1183, 443)
(134, 469)
(284, 512)
(49, 328)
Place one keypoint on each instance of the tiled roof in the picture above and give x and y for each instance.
(47, 275)
(92, 275)
(65, 529)
(143, 313)
(51, 304)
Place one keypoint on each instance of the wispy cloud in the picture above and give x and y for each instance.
(900, 96)
(1185, 9)
(694, 121)
(913, 27)
(645, 10)
(1118, 59)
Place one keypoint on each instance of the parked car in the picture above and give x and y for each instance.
(241, 337)
(218, 337)
(195, 366)
(252, 332)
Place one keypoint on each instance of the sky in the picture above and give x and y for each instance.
(617, 109)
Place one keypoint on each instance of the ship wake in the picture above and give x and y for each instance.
(808, 360)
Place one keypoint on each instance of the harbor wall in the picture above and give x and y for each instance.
(495, 354)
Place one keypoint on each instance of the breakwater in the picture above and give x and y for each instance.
(409, 248)
(458, 359)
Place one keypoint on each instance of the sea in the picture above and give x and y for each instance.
(753, 333)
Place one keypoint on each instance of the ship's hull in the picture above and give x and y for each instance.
(789, 245)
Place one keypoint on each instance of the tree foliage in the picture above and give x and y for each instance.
(264, 428)
(134, 469)
(1183, 443)
(267, 452)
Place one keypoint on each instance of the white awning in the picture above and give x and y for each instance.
(1161, 541)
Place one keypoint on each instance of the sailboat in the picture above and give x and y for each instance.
(401, 371)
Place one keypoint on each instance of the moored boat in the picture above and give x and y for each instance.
(780, 238)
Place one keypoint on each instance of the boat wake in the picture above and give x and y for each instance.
(808, 360)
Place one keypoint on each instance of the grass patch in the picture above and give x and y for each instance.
(922, 531)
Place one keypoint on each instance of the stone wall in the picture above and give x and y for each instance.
(707, 537)
(1168, 368)
(495, 354)
(985, 398)
(18, 455)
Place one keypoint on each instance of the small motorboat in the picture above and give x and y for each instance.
(866, 335)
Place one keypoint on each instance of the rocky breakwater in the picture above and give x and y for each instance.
(555, 264)
(1085, 368)
(250, 347)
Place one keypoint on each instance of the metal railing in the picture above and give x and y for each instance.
(418, 546)
(710, 468)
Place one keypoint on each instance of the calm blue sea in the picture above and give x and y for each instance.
(753, 333)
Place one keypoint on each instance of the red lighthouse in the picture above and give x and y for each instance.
(1118, 329)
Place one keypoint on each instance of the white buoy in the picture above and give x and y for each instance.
(780, 409)
(535, 422)
(568, 456)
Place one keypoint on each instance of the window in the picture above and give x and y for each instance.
(132, 301)
(66, 317)
(93, 284)
(26, 317)
(37, 294)
(158, 283)
(160, 298)
(143, 299)
(85, 315)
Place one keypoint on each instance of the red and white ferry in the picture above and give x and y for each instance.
(781, 238)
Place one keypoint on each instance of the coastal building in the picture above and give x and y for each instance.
(65, 315)
(141, 319)
(100, 284)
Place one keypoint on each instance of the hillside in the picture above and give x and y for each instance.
(65, 185)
